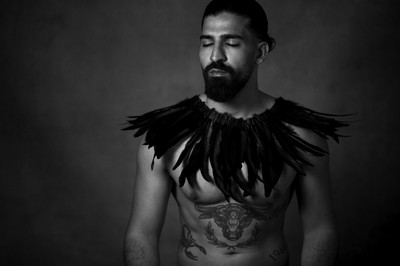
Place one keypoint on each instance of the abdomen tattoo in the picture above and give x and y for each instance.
(187, 241)
(233, 218)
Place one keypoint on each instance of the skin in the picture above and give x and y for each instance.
(214, 231)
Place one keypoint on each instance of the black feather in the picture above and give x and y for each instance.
(206, 146)
(264, 142)
(192, 166)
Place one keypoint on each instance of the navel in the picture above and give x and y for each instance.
(231, 252)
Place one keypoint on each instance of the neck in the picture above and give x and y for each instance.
(249, 101)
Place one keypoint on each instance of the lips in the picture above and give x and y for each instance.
(217, 72)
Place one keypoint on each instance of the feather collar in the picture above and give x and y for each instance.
(264, 142)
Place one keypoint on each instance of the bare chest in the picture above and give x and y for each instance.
(206, 192)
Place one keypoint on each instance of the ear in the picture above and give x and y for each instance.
(263, 49)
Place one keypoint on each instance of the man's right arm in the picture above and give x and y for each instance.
(150, 199)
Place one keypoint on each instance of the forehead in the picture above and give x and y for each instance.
(225, 23)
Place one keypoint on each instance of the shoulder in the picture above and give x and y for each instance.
(308, 123)
(146, 157)
(310, 136)
(143, 150)
(294, 116)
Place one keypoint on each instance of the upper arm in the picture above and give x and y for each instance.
(150, 195)
(314, 189)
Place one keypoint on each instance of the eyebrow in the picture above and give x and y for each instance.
(223, 36)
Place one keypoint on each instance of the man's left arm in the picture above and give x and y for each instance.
(320, 234)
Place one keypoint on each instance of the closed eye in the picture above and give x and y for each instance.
(206, 44)
(232, 44)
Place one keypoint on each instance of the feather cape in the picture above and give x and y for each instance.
(264, 142)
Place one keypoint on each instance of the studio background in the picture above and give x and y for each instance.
(73, 70)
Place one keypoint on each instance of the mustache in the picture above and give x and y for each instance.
(220, 66)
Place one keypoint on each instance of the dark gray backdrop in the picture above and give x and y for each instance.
(73, 70)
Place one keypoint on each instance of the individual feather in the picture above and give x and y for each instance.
(206, 146)
(192, 166)
(239, 179)
(252, 159)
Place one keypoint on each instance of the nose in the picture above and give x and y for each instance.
(218, 54)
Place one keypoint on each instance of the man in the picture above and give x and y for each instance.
(232, 158)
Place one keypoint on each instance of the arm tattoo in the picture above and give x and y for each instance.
(233, 218)
(187, 241)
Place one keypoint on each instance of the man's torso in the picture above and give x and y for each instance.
(217, 232)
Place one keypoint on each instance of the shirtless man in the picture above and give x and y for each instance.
(218, 228)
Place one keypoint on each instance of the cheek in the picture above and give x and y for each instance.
(242, 60)
(204, 60)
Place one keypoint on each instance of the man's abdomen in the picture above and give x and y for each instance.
(232, 233)
(194, 251)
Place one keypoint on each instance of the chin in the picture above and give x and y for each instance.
(220, 96)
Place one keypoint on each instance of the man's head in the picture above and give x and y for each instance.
(250, 9)
(234, 40)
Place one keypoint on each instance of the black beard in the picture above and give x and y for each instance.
(222, 89)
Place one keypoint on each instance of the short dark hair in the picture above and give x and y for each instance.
(247, 8)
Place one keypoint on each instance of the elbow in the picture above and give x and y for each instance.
(326, 231)
(323, 237)
(326, 235)
(140, 239)
(321, 226)
(320, 246)
(142, 233)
